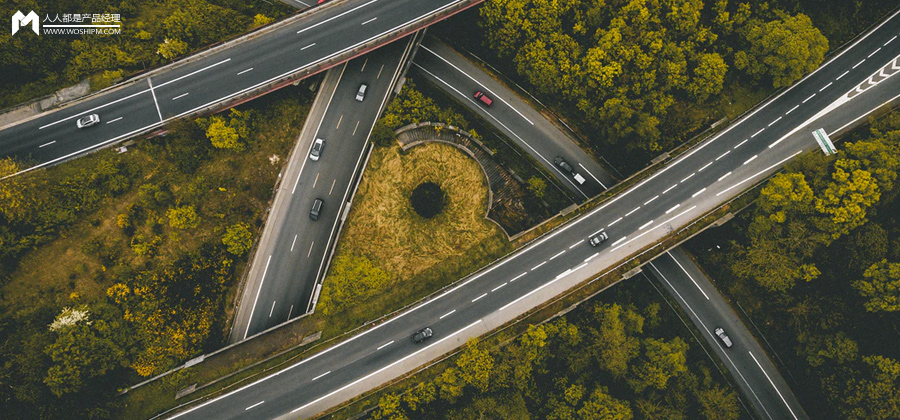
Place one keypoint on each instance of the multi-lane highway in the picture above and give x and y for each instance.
(750, 367)
(292, 250)
(246, 66)
(512, 116)
(839, 94)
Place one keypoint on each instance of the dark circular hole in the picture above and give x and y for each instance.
(427, 200)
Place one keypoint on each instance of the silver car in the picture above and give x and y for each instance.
(598, 239)
(316, 151)
(87, 120)
(724, 337)
(361, 93)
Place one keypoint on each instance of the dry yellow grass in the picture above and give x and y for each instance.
(384, 228)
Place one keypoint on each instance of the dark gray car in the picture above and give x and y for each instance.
(316, 210)
(422, 335)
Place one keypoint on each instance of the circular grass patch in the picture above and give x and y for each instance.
(427, 200)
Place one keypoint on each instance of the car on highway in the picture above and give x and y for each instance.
(422, 335)
(483, 98)
(316, 210)
(361, 93)
(598, 238)
(559, 161)
(87, 120)
(724, 337)
(316, 151)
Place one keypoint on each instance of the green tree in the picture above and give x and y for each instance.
(848, 197)
(537, 186)
(389, 408)
(223, 136)
(449, 386)
(786, 193)
(351, 280)
(382, 135)
(835, 347)
(422, 394)
(475, 366)
(665, 359)
(183, 217)
(84, 349)
(881, 287)
(602, 406)
(709, 76)
(615, 345)
(782, 50)
(238, 238)
(260, 19)
(719, 404)
(873, 394)
(171, 48)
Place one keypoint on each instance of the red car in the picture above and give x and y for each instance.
(483, 98)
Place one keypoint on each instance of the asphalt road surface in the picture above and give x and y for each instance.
(512, 116)
(290, 258)
(202, 81)
(689, 186)
(753, 372)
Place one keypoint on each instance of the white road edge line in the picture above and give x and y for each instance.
(773, 384)
(252, 308)
(592, 176)
(689, 275)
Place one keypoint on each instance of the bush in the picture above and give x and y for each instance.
(428, 200)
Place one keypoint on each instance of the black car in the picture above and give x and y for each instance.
(563, 164)
(422, 335)
(316, 210)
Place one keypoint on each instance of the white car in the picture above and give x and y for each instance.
(724, 337)
(88, 120)
(361, 93)
(598, 239)
(316, 151)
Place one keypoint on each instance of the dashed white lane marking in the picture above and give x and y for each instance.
(592, 176)
(575, 244)
(47, 144)
(724, 176)
(114, 120)
(245, 71)
(723, 155)
(181, 96)
(355, 128)
(751, 159)
(309, 46)
(773, 385)
(290, 311)
(874, 52)
(591, 257)
(363, 68)
(479, 297)
(341, 118)
(336, 16)
(673, 208)
(614, 222)
(741, 143)
(670, 188)
(310, 248)
(518, 277)
(558, 254)
(653, 228)
(842, 75)
(810, 97)
(254, 405)
(651, 200)
(857, 64)
(688, 177)
(759, 173)
(497, 288)
(757, 133)
(538, 266)
(272, 310)
(385, 345)
(317, 377)
(704, 167)
(773, 122)
(826, 86)
(890, 40)
(619, 241)
(447, 314)
(334, 181)
(369, 21)
(697, 193)
(631, 212)
(293, 243)
(792, 109)
(316, 181)
(645, 225)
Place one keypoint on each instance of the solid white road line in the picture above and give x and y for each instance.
(498, 287)
(741, 143)
(773, 385)
(384, 368)
(614, 222)
(651, 200)
(724, 176)
(114, 120)
(538, 266)
(592, 176)
(760, 172)
(181, 96)
(479, 297)
(46, 144)
(698, 193)
(826, 86)
(317, 377)
(810, 97)
(560, 253)
(254, 405)
(751, 159)
(245, 71)
(385, 345)
(723, 154)
(370, 20)
(308, 46)
(792, 109)
(447, 314)
(635, 209)
(689, 275)
(673, 208)
(252, 308)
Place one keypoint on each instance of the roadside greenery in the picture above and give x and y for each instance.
(153, 32)
(620, 356)
(115, 267)
(817, 264)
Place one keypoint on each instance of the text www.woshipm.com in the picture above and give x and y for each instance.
(82, 31)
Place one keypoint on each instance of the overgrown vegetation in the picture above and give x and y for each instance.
(117, 266)
(817, 263)
(153, 32)
(621, 356)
